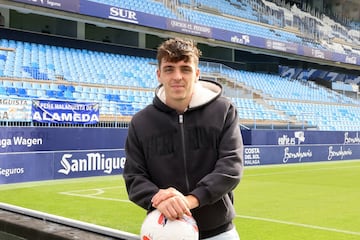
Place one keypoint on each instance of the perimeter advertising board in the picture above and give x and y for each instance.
(42, 153)
(295, 137)
(49, 165)
(42, 139)
(34, 154)
(292, 146)
(264, 155)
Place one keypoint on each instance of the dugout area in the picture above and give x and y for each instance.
(18, 223)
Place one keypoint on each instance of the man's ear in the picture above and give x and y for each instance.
(158, 75)
(197, 74)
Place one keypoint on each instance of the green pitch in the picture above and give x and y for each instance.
(310, 201)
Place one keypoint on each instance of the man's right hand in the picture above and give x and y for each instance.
(172, 203)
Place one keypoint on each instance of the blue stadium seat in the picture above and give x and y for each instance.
(51, 93)
(68, 95)
(3, 90)
(11, 91)
(21, 92)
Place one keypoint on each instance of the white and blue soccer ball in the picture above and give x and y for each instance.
(157, 227)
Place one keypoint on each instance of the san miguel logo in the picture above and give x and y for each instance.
(92, 162)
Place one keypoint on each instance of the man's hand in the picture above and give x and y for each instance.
(173, 204)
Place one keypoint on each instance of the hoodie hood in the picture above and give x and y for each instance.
(204, 93)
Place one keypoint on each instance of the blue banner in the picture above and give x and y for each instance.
(121, 14)
(25, 167)
(264, 155)
(37, 139)
(282, 46)
(299, 137)
(239, 38)
(188, 28)
(38, 166)
(44, 153)
(48, 111)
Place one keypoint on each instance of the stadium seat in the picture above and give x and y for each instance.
(11, 91)
(90, 76)
(3, 90)
(21, 92)
(51, 93)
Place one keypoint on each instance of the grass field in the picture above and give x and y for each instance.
(309, 201)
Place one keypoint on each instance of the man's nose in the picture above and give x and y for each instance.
(177, 74)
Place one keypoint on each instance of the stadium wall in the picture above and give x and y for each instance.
(48, 153)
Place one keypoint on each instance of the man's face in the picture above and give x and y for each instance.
(178, 79)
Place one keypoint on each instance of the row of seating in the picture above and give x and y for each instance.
(250, 109)
(45, 62)
(131, 91)
(326, 117)
(285, 88)
(70, 92)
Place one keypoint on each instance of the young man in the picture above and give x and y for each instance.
(184, 151)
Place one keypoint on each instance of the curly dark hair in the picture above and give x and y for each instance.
(177, 49)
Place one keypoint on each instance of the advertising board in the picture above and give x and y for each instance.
(45, 153)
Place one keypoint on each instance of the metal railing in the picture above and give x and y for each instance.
(47, 219)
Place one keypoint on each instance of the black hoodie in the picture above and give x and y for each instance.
(198, 152)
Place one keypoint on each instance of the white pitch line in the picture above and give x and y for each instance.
(300, 170)
(72, 193)
(93, 196)
(98, 191)
(300, 225)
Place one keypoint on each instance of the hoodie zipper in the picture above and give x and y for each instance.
(181, 124)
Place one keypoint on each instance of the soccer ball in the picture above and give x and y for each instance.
(157, 227)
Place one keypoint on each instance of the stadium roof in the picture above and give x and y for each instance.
(346, 8)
